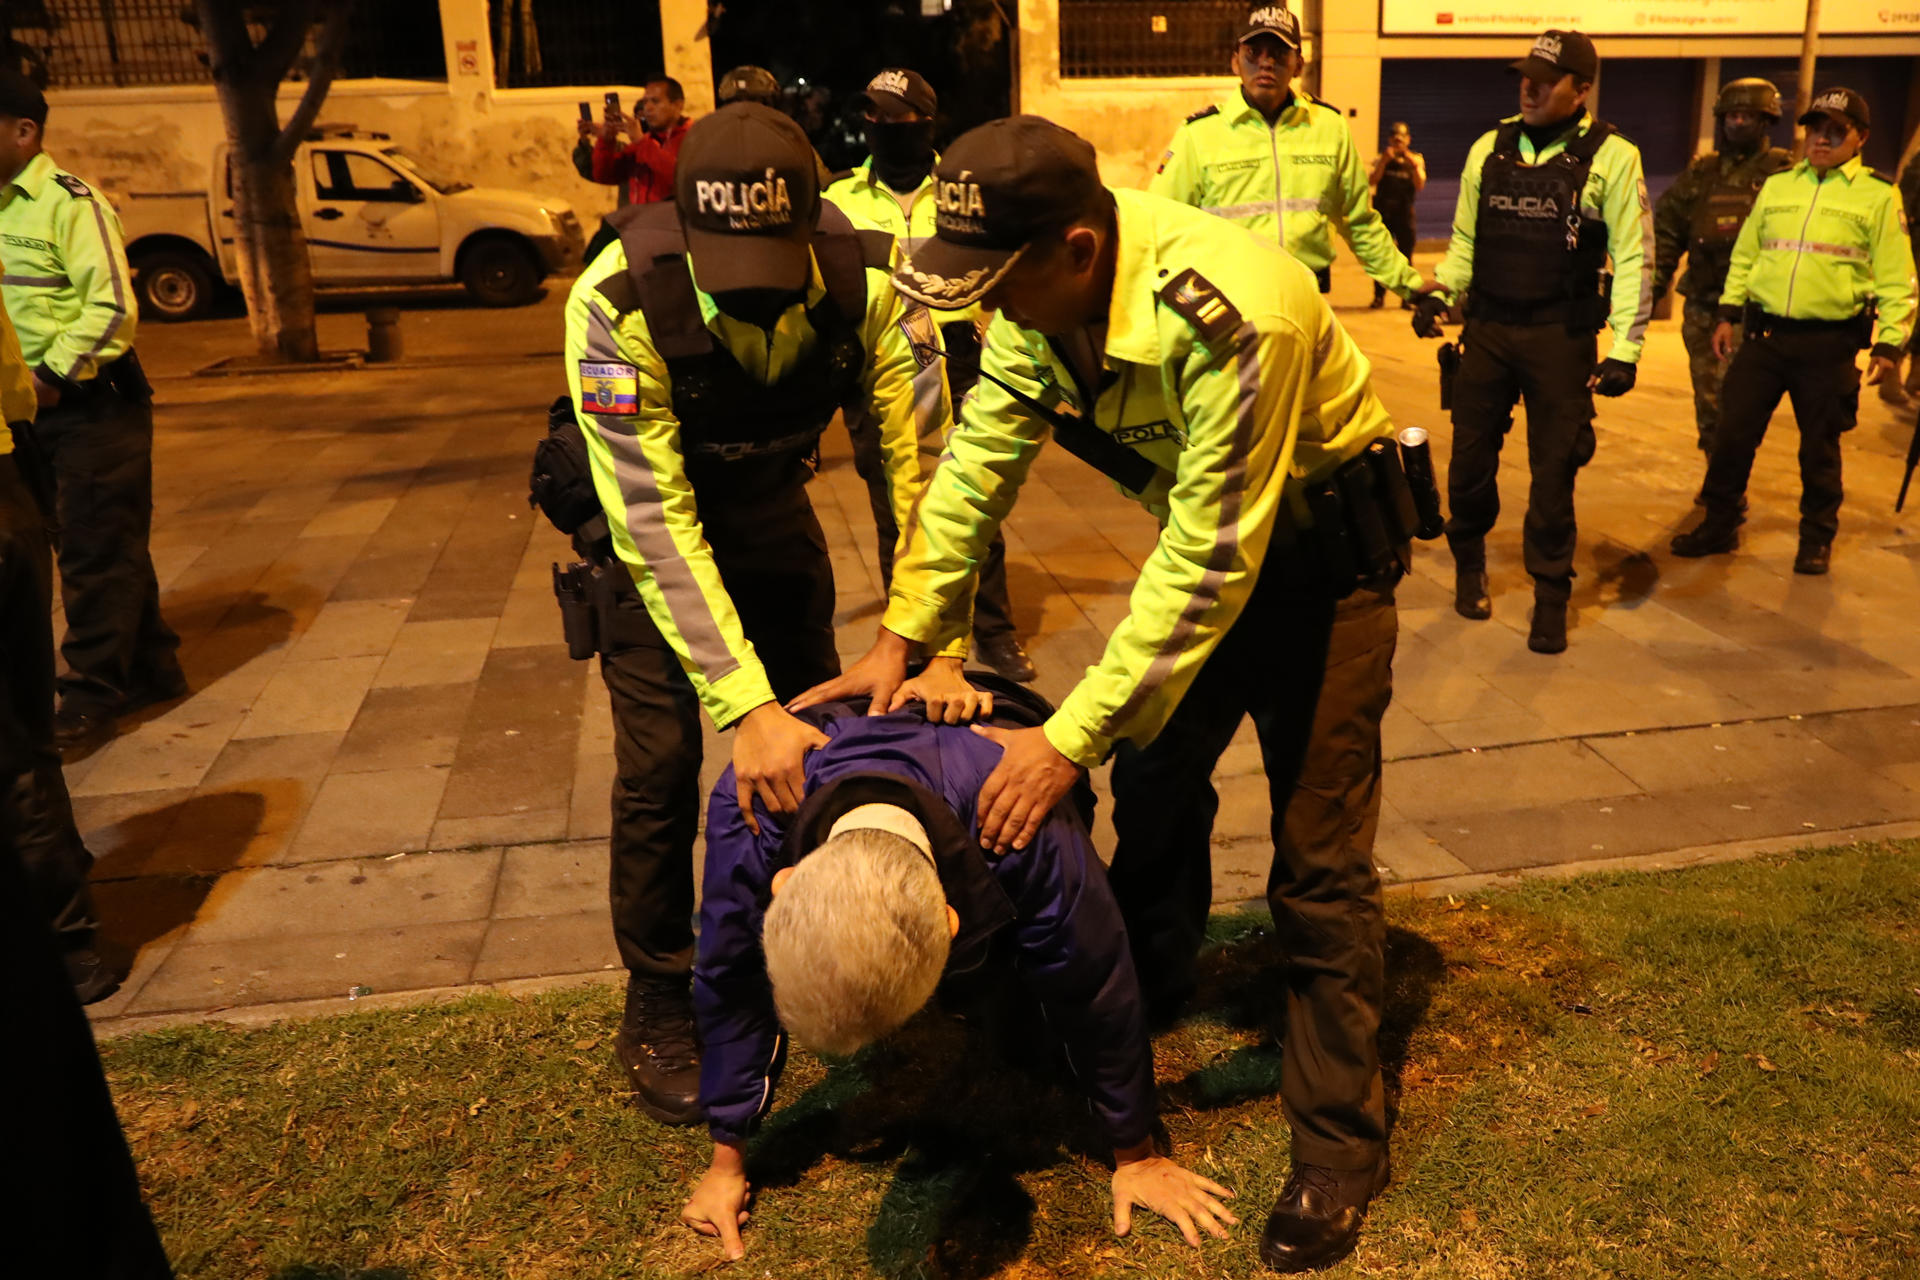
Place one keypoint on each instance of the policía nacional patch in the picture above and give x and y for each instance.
(609, 388)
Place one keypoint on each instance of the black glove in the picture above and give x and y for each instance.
(1427, 310)
(1613, 377)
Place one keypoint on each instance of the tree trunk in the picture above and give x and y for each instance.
(275, 272)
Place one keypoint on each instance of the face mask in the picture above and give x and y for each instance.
(904, 149)
(1745, 137)
(760, 307)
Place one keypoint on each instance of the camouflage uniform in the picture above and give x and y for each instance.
(1700, 216)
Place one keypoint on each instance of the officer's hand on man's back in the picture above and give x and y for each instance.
(1612, 377)
(769, 748)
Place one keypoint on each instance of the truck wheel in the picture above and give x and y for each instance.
(174, 286)
(500, 273)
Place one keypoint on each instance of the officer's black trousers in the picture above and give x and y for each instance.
(72, 1198)
(1548, 367)
(35, 812)
(117, 647)
(1817, 371)
(772, 556)
(1316, 676)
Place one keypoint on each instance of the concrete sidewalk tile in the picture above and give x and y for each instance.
(140, 968)
(162, 754)
(552, 880)
(1404, 734)
(590, 815)
(499, 829)
(1541, 835)
(339, 897)
(528, 948)
(531, 616)
(123, 830)
(1497, 730)
(1877, 736)
(385, 811)
(237, 824)
(405, 727)
(1819, 800)
(361, 515)
(518, 749)
(310, 697)
(1404, 852)
(1504, 777)
(351, 629)
(387, 575)
(296, 966)
(1241, 869)
(299, 756)
(444, 651)
(1681, 759)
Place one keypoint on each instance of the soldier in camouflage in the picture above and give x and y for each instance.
(1700, 216)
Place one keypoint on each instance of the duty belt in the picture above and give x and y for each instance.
(1764, 324)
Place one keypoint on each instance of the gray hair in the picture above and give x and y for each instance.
(856, 940)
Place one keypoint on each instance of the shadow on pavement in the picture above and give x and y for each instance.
(136, 906)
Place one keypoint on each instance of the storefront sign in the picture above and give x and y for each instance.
(1645, 17)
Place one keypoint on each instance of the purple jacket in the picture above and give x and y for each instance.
(1048, 906)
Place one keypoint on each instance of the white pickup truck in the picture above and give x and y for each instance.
(373, 215)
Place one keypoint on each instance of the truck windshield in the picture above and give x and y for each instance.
(426, 173)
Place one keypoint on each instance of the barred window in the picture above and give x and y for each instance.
(67, 44)
(1148, 37)
(556, 42)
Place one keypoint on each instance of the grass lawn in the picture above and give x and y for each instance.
(1706, 1073)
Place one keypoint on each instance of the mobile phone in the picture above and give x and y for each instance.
(613, 106)
(586, 113)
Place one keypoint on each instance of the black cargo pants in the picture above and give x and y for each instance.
(1546, 366)
(1816, 369)
(772, 556)
(1316, 675)
(36, 817)
(117, 646)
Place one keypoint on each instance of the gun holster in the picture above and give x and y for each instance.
(1365, 517)
(575, 589)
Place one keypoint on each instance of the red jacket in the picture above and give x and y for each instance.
(646, 166)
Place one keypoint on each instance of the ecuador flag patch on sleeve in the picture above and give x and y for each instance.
(609, 388)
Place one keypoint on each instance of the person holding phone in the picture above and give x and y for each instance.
(642, 166)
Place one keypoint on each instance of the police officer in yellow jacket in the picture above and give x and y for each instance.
(1822, 268)
(893, 192)
(36, 816)
(1198, 367)
(72, 302)
(1545, 201)
(1282, 163)
(707, 348)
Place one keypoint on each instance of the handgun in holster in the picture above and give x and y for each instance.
(1367, 513)
(127, 379)
(574, 588)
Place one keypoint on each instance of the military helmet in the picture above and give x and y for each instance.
(1750, 94)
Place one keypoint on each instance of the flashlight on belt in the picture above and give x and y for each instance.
(1416, 460)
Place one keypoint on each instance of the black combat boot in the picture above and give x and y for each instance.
(1002, 652)
(1549, 631)
(1471, 598)
(657, 1049)
(1715, 535)
(1316, 1221)
(1813, 557)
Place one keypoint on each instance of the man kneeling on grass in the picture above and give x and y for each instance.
(836, 925)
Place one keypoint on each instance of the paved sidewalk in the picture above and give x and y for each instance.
(391, 777)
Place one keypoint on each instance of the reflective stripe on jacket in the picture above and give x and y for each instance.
(1301, 172)
(1616, 193)
(1236, 425)
(1820, 247)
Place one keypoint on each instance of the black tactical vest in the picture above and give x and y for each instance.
(1717, 218)
(724, 414)
(1532, 245)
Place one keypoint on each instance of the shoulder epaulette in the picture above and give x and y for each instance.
(1192, 297)
(75, 188)
(835, 179)
(1884, 176)
(1314, 97)
(1203, 113)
